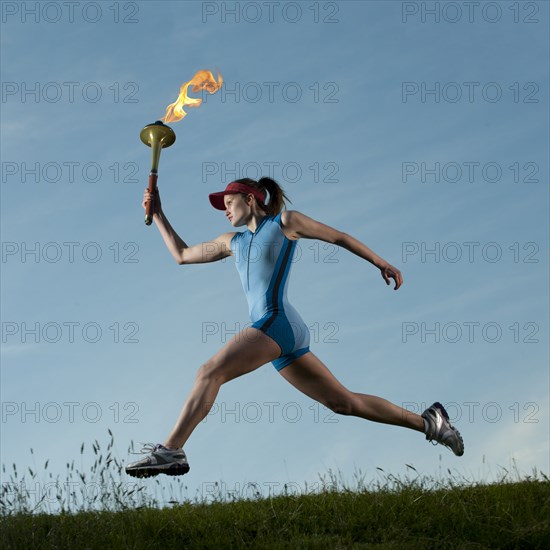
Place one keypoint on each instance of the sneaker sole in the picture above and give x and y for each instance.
(169, 470)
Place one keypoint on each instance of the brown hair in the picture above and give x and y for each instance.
(277, 196)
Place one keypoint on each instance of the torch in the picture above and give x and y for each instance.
(159, 136)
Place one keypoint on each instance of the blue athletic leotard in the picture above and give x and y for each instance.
(263, 260)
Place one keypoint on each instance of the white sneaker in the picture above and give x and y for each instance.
(160, 460)
(438, 428)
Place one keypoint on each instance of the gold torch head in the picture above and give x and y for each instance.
(157, 136)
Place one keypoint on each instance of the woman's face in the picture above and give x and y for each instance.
(237, 209)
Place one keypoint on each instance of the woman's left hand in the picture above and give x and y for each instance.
(389, 272)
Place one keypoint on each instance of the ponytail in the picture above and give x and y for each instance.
(277, 196)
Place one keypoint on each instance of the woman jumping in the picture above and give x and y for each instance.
(277, 333)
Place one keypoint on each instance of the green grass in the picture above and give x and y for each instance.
(416, 512)
(514, 515)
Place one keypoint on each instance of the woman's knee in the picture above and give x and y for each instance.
(209, 372)
(218, 369)
(341, 404)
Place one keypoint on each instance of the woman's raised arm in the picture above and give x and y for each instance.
(210, 251)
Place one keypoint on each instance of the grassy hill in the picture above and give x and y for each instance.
(507, 515)
(415, 512)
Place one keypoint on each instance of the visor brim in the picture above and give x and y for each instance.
(216, 199)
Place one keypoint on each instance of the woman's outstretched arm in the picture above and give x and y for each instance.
(211, 251)
(297, 225)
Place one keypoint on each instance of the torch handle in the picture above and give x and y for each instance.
(149, 207)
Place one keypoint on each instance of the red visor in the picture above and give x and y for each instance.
(216, 199)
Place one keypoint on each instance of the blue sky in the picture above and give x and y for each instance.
(424, 135)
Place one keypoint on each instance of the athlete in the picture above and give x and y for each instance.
(263, 256)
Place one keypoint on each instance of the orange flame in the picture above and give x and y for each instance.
(203, 80)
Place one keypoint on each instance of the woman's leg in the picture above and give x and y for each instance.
(244, 353)
(309, 374)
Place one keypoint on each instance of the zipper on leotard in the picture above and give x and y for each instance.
(248, 263)
(248, 256)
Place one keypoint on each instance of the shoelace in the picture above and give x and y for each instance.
(147, 448)
(431, 435)
(432, 438)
